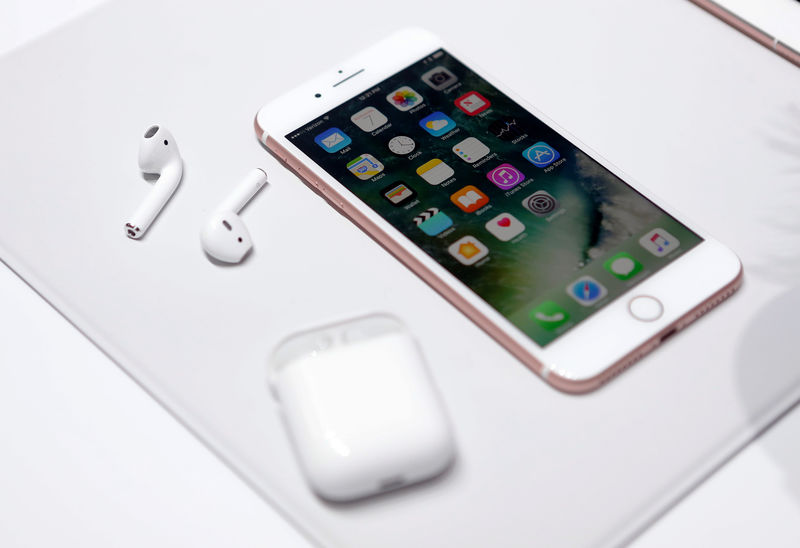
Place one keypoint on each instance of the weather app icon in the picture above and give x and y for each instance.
(437, 124)
(541, 154)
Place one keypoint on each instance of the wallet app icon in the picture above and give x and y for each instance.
(333, 140)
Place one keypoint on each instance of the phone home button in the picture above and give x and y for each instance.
(645, 308)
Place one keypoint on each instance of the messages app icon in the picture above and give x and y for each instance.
(623, 266)
(333, 140)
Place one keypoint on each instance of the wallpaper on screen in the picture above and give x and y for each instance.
(590, 222)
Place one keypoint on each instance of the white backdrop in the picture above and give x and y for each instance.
(88, 459)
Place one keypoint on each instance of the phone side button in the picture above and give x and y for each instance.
(645, 308)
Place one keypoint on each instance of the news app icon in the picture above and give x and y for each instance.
(365, 167)
(432, 221)
(659, 242)
(333, 140)
(439, 78)
(468, 250)
(472, 103)
(469, 199)
(505, 176)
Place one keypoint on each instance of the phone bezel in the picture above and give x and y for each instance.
(590, 353)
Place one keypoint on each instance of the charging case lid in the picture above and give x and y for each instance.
(360, 408)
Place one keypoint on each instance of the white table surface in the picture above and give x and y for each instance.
(89, 459)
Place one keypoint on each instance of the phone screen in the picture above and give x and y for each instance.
(532, 224)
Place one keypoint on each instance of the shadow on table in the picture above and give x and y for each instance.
(770, 346)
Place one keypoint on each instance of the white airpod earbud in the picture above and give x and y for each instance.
(225, 237)
(158, 154)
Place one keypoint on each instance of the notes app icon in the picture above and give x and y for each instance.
(435, 172)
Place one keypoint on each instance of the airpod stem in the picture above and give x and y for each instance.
(245, 191)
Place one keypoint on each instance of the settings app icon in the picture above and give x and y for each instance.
(541, 203)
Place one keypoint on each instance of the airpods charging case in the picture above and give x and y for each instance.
(360, 408)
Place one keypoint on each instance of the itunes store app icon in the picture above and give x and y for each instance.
(505, 176)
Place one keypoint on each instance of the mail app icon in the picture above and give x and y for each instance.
(333, 139)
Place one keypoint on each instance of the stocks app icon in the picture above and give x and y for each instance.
(506, 129)
(540, 203)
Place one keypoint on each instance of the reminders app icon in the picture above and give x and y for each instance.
(333, 140)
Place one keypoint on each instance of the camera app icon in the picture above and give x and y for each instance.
(439, 78)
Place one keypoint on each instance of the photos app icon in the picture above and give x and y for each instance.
(404, 98)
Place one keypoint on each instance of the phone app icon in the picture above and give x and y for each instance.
(404, 98)
(437, 124)
(439, 78)
(468, 250)
(505, 227)
(398, 193)
(469, 199)
(333, 140)
(432, 221)
(472, 103)
(365, 167)
(471, 150)
(541, 203)
(623, 266)
(549, 315)
(435, 171)
(369, 119)
(586, 290)
(402, 145)
(505, 176)
(541, 154)
(659, 242)
(506, 129)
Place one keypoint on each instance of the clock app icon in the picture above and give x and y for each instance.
(402, 145)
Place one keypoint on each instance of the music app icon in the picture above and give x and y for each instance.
(659, 242)
(505, 176)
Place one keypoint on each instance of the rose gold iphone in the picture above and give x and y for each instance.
(565, 261)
